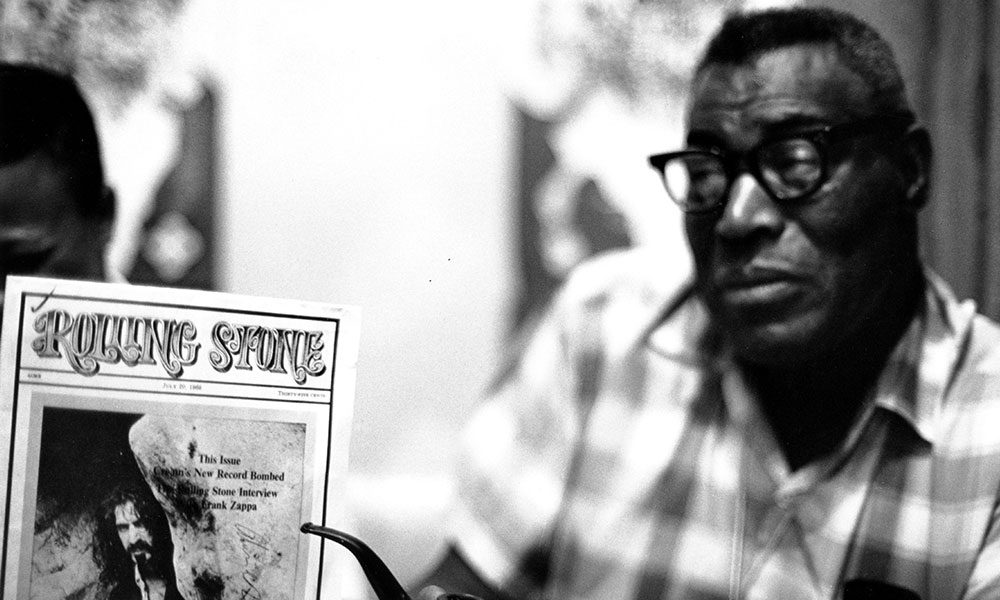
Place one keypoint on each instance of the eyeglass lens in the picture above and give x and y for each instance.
(789, 169)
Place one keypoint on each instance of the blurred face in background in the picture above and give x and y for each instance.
(55, 212)
(41, 229)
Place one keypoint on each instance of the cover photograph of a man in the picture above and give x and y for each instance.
(132, 546)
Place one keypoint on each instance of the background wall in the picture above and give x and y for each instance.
(365, 152)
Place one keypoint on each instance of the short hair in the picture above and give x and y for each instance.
(44, 111)
(113, 561)
(744, 36)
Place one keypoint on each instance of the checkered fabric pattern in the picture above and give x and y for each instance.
(621, 459)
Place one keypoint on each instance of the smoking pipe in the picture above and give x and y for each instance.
(382, 580)
(379, 576)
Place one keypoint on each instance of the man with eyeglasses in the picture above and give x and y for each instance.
(815, 416)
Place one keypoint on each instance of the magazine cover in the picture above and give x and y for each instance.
(169, 443)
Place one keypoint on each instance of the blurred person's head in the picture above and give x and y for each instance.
(55, 210)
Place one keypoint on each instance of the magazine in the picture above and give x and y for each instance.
(170, 440)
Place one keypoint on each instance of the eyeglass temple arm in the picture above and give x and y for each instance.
(382, 580)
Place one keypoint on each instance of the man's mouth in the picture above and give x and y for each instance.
(140, 551)
(757, 286)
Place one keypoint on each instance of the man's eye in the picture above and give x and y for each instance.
(791, 166)
(790, 152)
(700, 168)
(701, 173)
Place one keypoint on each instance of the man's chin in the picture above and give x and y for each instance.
(781, 334)
(777, 344)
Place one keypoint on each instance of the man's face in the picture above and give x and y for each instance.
(41, 230)
(134, 533)
(788, 282)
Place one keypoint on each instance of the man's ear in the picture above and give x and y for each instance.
(916, 166)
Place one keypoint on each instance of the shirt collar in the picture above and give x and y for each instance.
(916, 377)
(680, 328)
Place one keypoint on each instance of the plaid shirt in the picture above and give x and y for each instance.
(618, 460)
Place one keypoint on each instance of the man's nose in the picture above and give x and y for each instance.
(749, 211)
(133, 535)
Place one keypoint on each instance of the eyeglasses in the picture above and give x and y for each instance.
(789, 167)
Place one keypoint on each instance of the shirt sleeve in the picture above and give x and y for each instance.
(515, 459)
(519, 448)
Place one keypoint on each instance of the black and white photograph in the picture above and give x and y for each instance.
(626, 299)
(217, 500)
(96, 509)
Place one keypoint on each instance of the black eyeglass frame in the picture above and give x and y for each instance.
(735, 163)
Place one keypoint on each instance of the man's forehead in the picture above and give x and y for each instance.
(126, 512)
(800, 81)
